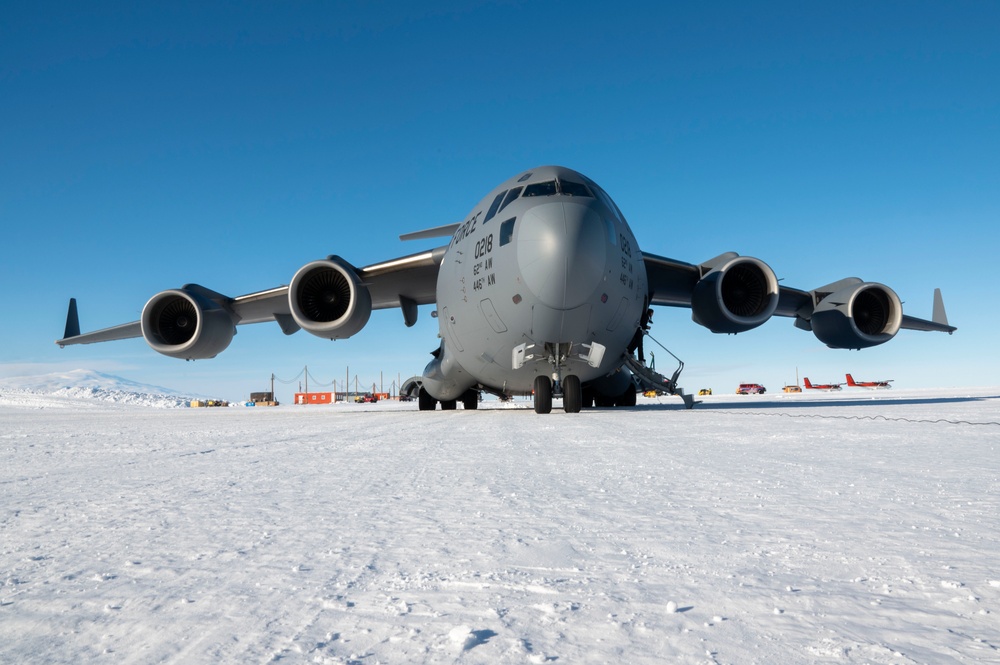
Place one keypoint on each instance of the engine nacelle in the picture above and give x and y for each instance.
(736, 295)
(858, 316)
(182, 323)
(328, 300)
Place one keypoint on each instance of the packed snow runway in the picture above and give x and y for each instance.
(850, 528)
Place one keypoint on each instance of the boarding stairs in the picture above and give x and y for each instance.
(647, 378)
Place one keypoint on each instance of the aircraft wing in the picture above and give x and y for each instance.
(792, 302)
(700, 287)
(403, 282)
(412, 277)
(672, 283)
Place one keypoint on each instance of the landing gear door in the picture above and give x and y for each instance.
(595, 354)
(518, 356)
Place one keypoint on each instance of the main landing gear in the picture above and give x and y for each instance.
(469, 399)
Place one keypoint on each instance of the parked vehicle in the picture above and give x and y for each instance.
(751, 389)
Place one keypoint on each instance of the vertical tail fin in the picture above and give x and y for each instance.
(850, 381)
(808, 385)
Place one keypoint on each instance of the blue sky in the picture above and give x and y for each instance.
(228, 144)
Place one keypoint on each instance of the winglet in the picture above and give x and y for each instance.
(939, 315)
(72, 321)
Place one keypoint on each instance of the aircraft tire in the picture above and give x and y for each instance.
(470, 400)
(603, 401)
(572, 394)
(543, 394)
(627, 398)
(426, 402)
(449, 404)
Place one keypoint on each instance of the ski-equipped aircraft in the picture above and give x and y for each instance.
(821, 386)
(873, 385)
(542, 288)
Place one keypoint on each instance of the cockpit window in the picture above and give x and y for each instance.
(511, 195)
(541, 189)
(570, 188)
(606, 200)
(507, 231)
(495, 207)
(612, 232)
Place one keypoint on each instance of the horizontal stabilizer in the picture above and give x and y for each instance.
(436, 232)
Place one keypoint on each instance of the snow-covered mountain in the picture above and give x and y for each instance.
(92, 385)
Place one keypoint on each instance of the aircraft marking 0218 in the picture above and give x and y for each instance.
(543, 290)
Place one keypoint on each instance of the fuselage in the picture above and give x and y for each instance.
(547, 264)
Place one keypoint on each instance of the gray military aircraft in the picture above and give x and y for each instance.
(542, 289)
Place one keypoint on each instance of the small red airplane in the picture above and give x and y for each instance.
(873, 385)
(822, 386)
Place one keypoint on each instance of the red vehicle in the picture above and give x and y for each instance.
(751, 389)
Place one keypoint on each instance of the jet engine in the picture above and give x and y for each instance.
(737, 294)
(184, 323)
(857, 315)
(328, 300)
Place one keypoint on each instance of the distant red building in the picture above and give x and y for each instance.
(313, 398)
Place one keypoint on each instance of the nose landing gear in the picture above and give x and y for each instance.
(569, 388)
(543, 394)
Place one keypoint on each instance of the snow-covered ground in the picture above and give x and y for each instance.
(859, 527)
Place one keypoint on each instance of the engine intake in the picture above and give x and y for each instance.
(736, 295)
(328, 300)
(857, 317)
(183, 323)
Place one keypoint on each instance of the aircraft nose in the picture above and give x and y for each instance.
(562, 252)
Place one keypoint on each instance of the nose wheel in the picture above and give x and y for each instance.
(543, 394)
(572, 394)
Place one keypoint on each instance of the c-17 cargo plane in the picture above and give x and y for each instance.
(542, 289)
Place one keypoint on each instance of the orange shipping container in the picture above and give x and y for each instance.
(313, 398)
